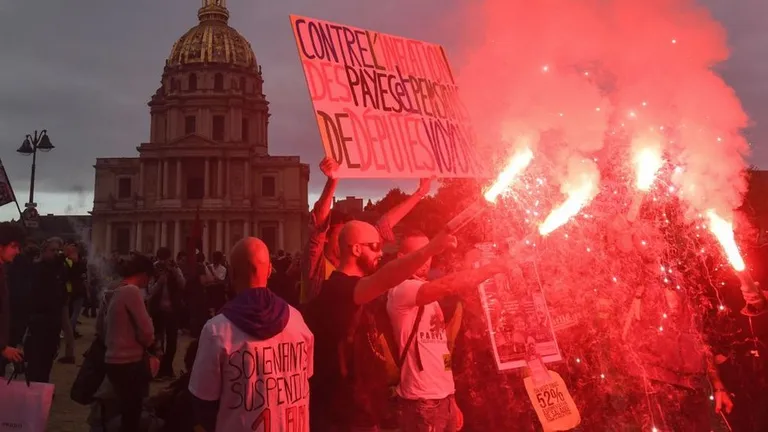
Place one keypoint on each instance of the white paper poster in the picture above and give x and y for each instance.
(517, 317)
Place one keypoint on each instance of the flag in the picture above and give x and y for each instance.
(6, 191)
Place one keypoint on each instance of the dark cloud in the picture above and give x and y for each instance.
(85, 71)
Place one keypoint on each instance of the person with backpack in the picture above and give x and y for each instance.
(426, 388)
(336, 318)
(164, 306)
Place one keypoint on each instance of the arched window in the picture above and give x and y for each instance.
(242, 84)
(218, 82)
(192, 82)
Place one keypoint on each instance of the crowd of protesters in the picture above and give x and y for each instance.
(380, 343)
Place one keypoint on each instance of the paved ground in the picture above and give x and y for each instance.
(68, 416)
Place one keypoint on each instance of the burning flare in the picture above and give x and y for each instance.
(516, 165)
(648, 161)
(580, 193)
(723, 231)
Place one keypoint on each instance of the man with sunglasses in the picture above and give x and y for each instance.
(321, 253)
(331, 314)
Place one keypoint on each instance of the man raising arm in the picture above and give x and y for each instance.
(321, 253)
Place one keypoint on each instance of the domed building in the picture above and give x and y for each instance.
(207, 156)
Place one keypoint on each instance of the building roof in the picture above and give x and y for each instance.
(212, 41)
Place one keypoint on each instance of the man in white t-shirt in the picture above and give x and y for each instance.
(426, 386)
(254, 361)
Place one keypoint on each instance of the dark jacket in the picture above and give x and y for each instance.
(49, 290)
(5, 311)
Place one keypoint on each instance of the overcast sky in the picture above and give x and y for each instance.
(85, 69)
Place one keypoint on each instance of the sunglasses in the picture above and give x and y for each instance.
(373, 246)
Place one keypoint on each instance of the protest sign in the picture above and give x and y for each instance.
(517, 317)
(386, 106)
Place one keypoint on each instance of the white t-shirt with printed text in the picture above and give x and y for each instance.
(262, 385)
(435, 381)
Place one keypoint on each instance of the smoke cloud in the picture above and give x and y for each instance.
(591, 76)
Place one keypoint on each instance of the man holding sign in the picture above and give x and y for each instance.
(386, 106)
(321, 254)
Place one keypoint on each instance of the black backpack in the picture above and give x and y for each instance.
(373, 360)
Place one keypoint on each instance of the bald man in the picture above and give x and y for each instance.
(426, 389)
(332, 313)
(255, 358)
(321, 254)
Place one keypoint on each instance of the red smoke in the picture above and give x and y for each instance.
(579, 76)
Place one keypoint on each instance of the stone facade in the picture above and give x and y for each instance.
(207, 155)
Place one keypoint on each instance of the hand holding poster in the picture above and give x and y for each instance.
(386, 106)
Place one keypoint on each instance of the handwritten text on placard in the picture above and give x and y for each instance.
(387, 107)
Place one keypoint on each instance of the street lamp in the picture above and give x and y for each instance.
(30, 146)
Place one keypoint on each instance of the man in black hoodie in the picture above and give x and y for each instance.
(255, 358)
(11, 236)
(49, 295)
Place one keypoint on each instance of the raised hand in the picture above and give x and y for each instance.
(329, 167)
(425, 186)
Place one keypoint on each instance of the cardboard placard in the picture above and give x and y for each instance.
(386, 106)
(553, 403)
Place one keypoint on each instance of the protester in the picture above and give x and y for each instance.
(164, 305)
(49, 298)
(76, 281)
(11, 237)
(426, 389)
(96, 281)
(129, 339)
(19, 280)
(321, 253)
(216, 288)
(256, 345)
(197, 276)
(331, 314)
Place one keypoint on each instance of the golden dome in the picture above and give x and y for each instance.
(212, 41)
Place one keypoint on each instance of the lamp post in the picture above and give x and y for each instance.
(30, 146)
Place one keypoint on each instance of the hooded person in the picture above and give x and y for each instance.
(255, 358)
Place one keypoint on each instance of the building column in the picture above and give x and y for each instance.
(165, 179)
(157, 234)
(229, 178)
(163, 234)
(139, 234)
(227, 236)
(246, 228)
(159, 178)
(280, 236)
(207, 186)
(219, 235)
(220, 179)
(247, 177)
(132, 237)
(141, 178)
(178, 178)
(176, 237)
(108, 239)
(206, 237)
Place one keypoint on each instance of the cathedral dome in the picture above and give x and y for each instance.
(212, 41)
